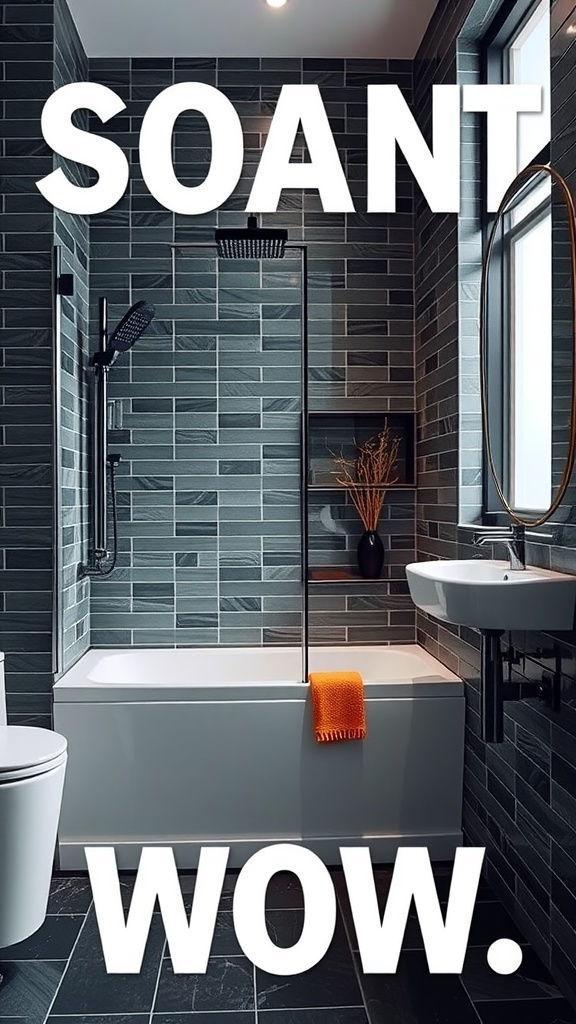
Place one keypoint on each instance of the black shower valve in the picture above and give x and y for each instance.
(66, 284)
(114, 460)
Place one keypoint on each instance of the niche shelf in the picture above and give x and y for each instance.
(326, 574)
(337, 432)
(340, 431)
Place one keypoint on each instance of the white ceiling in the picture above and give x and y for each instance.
(249, 28)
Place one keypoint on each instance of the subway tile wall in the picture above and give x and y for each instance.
(209, 532)
(27, 234)
(518, 795)
(72, 235)
(40, 51)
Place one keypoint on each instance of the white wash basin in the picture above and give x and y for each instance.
(487, 594)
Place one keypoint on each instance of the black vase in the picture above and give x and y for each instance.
(370, 555)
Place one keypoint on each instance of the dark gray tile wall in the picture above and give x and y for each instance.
(72, 235)
(27, 231)
(208, 485)
(518, 795)
(40, 51)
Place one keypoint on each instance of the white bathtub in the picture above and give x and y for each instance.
(194, 747)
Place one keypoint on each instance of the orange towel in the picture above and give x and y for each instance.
(338, 706)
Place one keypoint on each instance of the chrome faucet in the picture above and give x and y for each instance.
(512, 536)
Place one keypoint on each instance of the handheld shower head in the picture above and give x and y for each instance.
(251, 243)
(132, 326)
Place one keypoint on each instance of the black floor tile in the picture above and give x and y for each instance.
(383, 880)
(331, 1015)
(120, 1018)
(334, 992)
(284, 892)
(225, 1017)
(413, 996)
(128, 880)
(332, 982)
(53, 941)
(187, 886)
(227, 985)
(531, 981)
(89, 946)
(443, 879)
(226, 899)
(285, 928)
(537, 1011)
(70, 895)
(489, 923)
(225, 942)
(86, 987)
(27, 988)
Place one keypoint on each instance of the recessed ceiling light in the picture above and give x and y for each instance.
(276, 3)
(571, 30)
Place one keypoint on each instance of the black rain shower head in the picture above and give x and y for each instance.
(131, 326)
(251, 243)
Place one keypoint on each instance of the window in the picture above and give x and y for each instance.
(528, 61)
(528, 255)
(521, 285)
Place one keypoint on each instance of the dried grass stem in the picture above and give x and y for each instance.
(368, 475)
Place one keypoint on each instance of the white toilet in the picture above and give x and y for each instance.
(32, 769)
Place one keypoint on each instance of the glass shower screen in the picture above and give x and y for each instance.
(239, 413)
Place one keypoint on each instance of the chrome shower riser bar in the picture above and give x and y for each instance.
(101, 443)
(99, 491)
(101, 562)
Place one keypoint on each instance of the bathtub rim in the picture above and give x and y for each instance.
(74, 686)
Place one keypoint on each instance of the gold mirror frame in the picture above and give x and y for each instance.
(509, 195)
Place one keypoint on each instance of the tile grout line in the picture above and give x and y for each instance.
(157, 985)
(472, 1004)
(64, 972)
(353, 958)
(304, 1009)
(256, 1015)
(214, 1013)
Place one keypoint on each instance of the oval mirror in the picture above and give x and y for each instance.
(527, 346)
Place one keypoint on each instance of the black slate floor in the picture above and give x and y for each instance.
(58, 975)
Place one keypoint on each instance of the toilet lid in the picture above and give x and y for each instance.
(25, 750)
